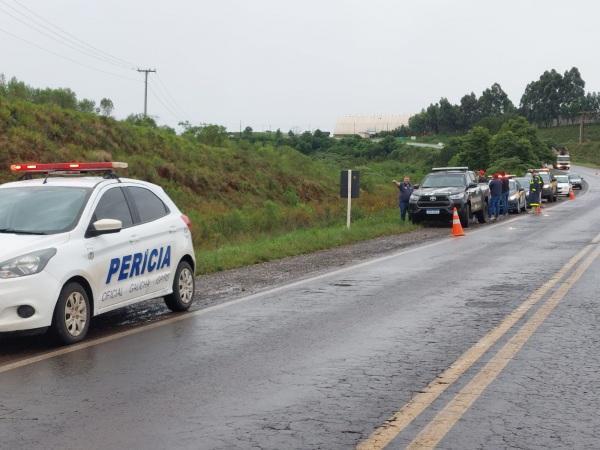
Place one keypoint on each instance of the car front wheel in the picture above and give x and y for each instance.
(72, 314)
(183, 288)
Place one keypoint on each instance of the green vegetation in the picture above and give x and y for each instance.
(514, 148)
(587, 153)
(249, 199)
(268, 247)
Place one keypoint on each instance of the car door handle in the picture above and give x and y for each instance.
(133, 239)
(172, 229)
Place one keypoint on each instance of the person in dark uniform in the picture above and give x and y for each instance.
(535, 192)
(495, 196)
(406, 190)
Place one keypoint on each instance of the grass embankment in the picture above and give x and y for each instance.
(248, 202)
(587, 153)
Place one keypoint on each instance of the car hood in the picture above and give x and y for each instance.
(440, 191)
(13, 245)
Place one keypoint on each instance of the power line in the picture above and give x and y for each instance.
(56, 37)
(169, 97)
(69, 36)
(166, 106)
(74, 61)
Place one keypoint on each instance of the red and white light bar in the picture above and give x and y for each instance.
(68, 167)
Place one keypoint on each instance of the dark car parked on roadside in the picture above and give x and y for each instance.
(524, 182)
(549, 191)
(517, 199)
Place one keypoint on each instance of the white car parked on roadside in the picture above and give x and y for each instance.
(72, 247)
(563, 185)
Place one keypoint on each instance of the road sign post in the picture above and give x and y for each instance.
(349, 189)
(349, 209)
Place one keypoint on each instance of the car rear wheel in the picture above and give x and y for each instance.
(72, 314)
(183, 288)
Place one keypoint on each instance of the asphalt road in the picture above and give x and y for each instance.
(328, 361)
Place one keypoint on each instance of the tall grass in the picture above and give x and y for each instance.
(248, 201)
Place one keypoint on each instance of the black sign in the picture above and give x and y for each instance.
(355, 190)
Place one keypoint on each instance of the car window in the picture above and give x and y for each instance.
(444, 180)
(148, 205)
(113, 205)
(44, 210)
(562, 179)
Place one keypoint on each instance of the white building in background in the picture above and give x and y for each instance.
(369, 125)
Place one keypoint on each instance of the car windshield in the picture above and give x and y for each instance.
(40, 210)
(545, 177)
(574, 177)
(562, 178)
(563, 159)
(444, 180)
(524, 182)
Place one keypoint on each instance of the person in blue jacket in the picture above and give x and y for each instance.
(406, 189)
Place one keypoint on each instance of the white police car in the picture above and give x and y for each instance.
(75, 247)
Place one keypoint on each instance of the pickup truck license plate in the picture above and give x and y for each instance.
(433, 211)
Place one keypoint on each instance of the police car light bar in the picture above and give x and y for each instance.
(68, 167)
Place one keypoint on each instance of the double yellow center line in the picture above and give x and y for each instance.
(434, 432)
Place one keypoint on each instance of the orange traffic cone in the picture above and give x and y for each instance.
(571, 195)
(457, 229)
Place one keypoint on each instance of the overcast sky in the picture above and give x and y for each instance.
(285, 64)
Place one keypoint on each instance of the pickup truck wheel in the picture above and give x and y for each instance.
(482, 216)
(465, 216)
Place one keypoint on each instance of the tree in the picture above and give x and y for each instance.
(469, 111)
(86, 105)
(247, 133)
(473, 149)
(448, 116)
(106, 107)
(572, 94)
(494, 102)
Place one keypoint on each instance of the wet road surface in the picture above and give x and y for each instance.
(325, 362)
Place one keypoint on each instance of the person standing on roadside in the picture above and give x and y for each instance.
(535, 192)
(496, 194)
(505, 193)
(406, 189)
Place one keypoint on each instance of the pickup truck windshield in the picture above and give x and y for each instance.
(444, 180)
(41, 210)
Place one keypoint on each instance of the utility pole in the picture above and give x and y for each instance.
(146, 72)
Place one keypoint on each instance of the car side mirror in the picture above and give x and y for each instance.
(105, 226)
(472, 185)
(416, 186)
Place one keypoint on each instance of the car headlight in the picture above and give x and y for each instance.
(513, 197)
(546, 186)
(459, 196)
(28, 264)
(414, 197)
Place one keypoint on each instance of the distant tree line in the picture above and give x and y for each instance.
(554, 99)
(14, 89)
